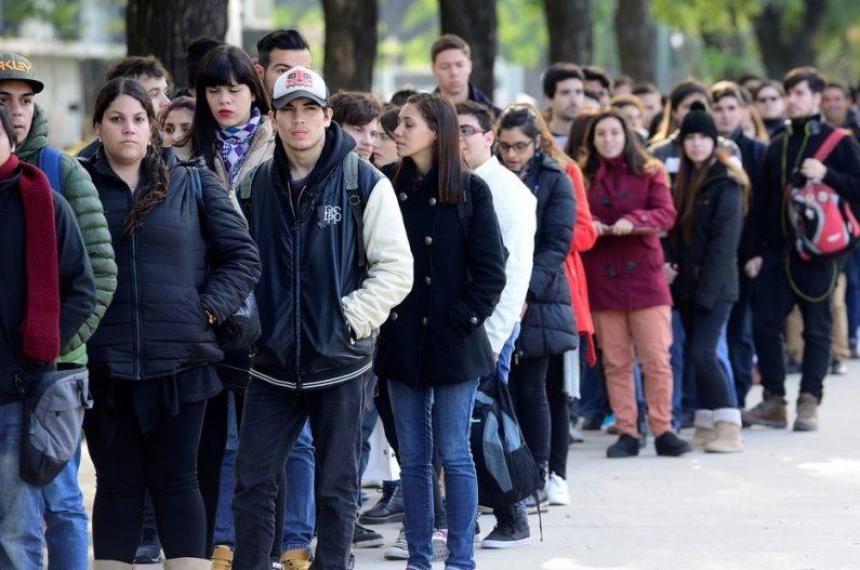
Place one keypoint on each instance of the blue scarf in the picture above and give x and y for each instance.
(236, 142)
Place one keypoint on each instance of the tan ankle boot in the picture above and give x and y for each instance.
(727, 440)
(297, 559)
(111, 565)
(222, 558)
(807, 413)
(703, 421)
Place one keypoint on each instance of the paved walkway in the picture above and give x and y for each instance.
(791, 501)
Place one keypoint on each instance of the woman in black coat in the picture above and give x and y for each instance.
(185, 263)
(433, 348)
(710, 199)
(548, 328)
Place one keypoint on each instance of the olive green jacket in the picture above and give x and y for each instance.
(83, 197)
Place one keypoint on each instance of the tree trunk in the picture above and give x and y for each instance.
(164, 27)
(570, 30)
(475, 21)
(634, 34)
(350, 44)
(785, 46)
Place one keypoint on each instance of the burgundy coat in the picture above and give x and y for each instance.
(626, 273)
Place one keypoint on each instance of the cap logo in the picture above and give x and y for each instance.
(299, 79)
(14, 65)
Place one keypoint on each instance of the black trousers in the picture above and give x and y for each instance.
(559, 412)
(773, 297)
(164, 462)
(704, 327)
(272, 421)
(528, 386)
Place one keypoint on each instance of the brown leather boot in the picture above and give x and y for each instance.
(807, 413)
(771, 412)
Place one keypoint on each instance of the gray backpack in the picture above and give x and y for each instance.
(53, 415)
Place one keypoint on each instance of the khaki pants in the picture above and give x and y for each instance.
(649, 332)
(794, 327)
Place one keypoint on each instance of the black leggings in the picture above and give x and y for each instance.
(164, 462)
(559, 412)
(528, 383)
(704, 327)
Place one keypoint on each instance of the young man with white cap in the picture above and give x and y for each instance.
(337, 260)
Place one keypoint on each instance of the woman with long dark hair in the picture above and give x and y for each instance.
(630, 300)
(185, 263)
(710, 199)
(433, 348)
(232, 132)
(548, 327)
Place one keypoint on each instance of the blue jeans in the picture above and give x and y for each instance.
(852, 293)
(442, 414)
(20, 503)
(66, 532)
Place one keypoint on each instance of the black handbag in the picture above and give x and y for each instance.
(242, 329)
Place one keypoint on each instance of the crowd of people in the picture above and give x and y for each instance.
(617, 258)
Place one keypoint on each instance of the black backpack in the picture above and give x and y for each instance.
(507, 472)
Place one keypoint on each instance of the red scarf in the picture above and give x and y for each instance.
(40, 330)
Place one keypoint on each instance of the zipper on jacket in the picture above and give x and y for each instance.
(297, 246)
(135, 299)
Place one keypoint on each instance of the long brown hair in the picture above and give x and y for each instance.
(575, 147)
(689, 182)
(529, 120)
(635, 156)
(441, 118)
(153, 185)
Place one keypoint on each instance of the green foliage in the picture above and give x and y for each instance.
(522, 33)
(63, 15)
(305, 16)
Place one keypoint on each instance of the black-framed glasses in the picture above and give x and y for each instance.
(518, 147)
(469, 130)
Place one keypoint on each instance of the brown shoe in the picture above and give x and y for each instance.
(807, 413)
(298, 559)
(771, 412)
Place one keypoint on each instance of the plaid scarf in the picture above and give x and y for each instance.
(236, 142)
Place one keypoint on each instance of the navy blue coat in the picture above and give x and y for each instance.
(189, 253)
(436, 335)
(549, 326)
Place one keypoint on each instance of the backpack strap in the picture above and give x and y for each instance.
(829, 144)
(243, 193)
(356, 204)
(50, 163)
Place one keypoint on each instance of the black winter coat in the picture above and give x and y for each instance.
(549, 325)
(77, 286)
(707, 261)
(191, 252)
(436, 335)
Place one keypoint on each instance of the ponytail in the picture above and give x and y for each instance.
(151, 190)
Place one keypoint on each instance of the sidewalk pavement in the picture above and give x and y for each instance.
(790, 501)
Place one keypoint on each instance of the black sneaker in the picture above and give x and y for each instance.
(389, 509)
(363, 537)
(149, 548)
(670, 445)
(509, 533)
(626, 446)
(592, 422)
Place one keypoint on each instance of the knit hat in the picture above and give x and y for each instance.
(698, 120)
(16, 67)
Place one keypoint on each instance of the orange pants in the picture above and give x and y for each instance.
(649, 333)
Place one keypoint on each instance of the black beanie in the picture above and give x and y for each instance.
(698, 120)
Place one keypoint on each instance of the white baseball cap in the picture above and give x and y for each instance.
(298, 82)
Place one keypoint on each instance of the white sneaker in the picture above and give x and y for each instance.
(440, 545)
(400, 549)
(557, 491)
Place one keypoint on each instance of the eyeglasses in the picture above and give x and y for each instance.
(768, 99)
(469, 130)
(519, 147)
